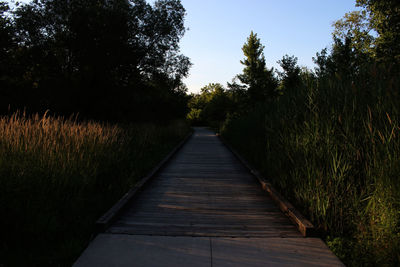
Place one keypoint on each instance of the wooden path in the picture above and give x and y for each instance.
(204, 209)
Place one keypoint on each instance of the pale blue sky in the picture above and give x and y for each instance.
(219, 28)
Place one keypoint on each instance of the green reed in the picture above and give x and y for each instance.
(332, 147)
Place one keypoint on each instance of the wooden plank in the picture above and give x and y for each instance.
(203, 233)
(104, 221)
(202, 225)
(204, 190)
(304, 225)
(274, 220)
(206, 203)
(220, 216)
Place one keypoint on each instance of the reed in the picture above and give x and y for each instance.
(57, 176)
(333, 148)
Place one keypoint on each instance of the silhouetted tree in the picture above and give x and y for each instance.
(211, 106)
(238, 94)
(342, 61)
(321, 60)
(290, 77)
(97, 57)
(6, 48)
(260, 81)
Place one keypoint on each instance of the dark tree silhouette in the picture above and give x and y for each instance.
(260, 81)
(290, 77)
(99, 58)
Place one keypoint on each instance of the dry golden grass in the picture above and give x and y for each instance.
(57, 176)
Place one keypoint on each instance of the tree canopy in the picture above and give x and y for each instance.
(97, 57)
(211, 106)
(384, 18)
(355, 26)
(372, 32)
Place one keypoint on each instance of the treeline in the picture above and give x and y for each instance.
(328, 138)
(109, 60)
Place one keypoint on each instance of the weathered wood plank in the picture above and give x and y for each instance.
(303, 225)
(104, 221)
(204, 190)
(204, 205)
(202, 233)
(263, 222)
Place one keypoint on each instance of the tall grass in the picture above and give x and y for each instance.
(57, 176)
(333, 148)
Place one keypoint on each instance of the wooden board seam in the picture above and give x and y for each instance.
(305, 227)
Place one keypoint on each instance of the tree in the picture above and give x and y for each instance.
(100, 58)
(238, 94)
(342, 61)
(5, 30)
(372, 33)
(6, 47)
(260, 81)
(384, 18)
(211, 106)
(290, 77)
(321, 60)
(356, 27)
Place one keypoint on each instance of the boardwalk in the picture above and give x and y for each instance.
(204, 209)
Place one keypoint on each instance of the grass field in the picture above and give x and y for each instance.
(57, 176)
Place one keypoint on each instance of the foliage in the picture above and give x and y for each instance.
(373, 30)
(256, 85)
(361, 38)
(385, 20)
(103, 59)
(343, 61)
(355, 26)
(6, 44)
(211, 106)
(332, 147)
(58, 176)
(260, 81)
(330, 141)
(290, 77)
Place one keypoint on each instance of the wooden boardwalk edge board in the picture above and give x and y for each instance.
(105, 221)
(305, 227)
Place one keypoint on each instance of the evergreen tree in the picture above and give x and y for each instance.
(260, 81)
(290, 77)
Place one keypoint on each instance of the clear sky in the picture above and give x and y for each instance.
(219, 28)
